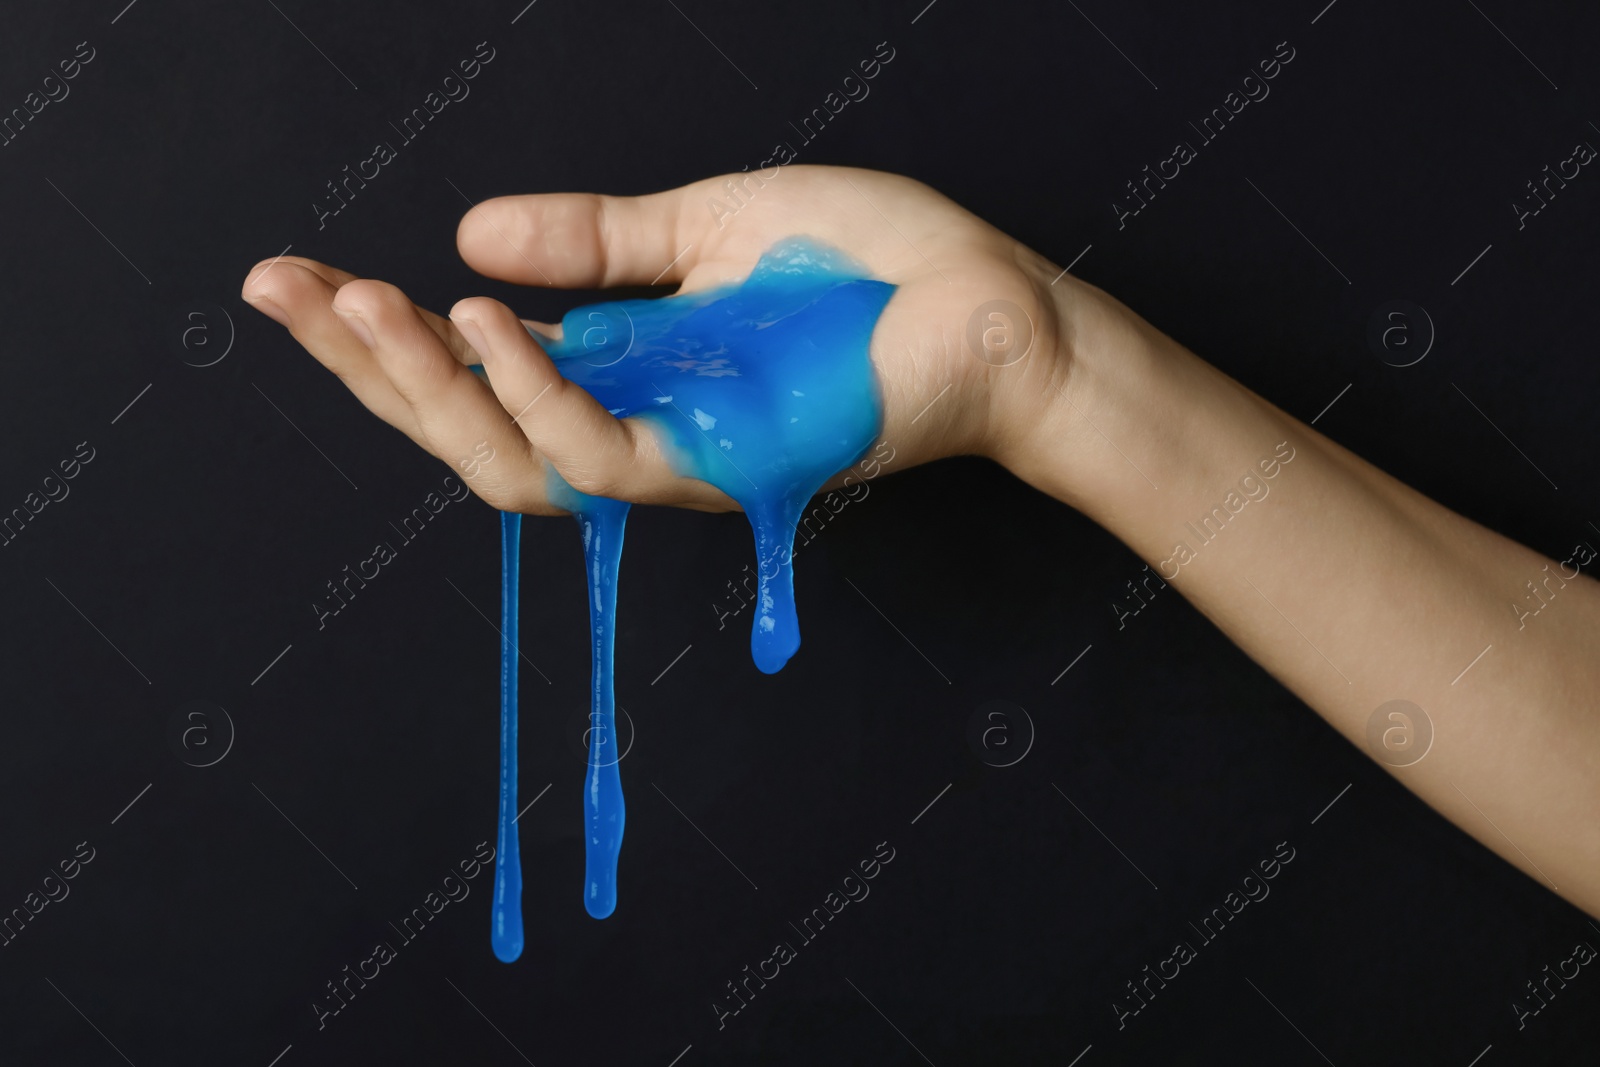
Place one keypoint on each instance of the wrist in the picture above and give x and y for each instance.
(1102, 407)
(1136, 430)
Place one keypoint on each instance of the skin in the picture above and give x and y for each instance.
(1349, 587)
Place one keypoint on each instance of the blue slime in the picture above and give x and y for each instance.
(506, 934)
(763, 389)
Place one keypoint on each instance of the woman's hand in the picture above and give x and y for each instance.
(1354, 590)
(970, 351)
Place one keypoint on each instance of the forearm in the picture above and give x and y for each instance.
(1346, 585)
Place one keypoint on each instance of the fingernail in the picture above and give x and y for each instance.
(269, 309)
(356, 325)
(474, 336)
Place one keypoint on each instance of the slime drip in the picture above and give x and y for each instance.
(505, 933)
(601, 522)
(763, 389)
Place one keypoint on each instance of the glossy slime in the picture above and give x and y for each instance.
(506, 934)
(763, 389)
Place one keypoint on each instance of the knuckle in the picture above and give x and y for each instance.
(593, 481)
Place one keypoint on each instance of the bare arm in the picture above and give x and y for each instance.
(1349, 587)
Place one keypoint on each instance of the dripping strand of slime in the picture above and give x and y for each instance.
(505, 934)
(602, 523)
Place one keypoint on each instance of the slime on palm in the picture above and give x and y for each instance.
(763, 389)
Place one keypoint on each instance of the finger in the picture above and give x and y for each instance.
(337, 278)
(299, 294)
(594, 452)
(458, 418)
(332, 275)
(551, 330)
(586, 240)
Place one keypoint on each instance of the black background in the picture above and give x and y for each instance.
(189, 550)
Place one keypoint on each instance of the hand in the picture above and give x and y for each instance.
(409, 365)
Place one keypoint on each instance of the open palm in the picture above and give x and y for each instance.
(965, 351)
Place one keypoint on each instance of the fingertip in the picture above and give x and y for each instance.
(260, 281)
(252, 276)
(471, 308)
(486, 320)
(275, 285)
(486, 219)
(372, 300)
(477, 215)
(466, 323)
(357, 325)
